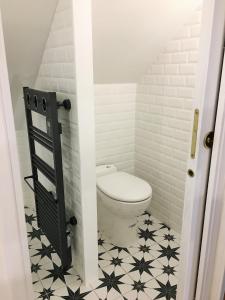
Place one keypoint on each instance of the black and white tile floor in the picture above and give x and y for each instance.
(147, 270)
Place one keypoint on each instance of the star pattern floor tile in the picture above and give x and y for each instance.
(146, 270)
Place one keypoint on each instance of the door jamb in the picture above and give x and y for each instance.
(208, 279)
(195, 207)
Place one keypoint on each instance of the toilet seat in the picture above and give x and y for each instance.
(123, 187)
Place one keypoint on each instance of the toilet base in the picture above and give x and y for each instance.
(121, 232)
(117, 220)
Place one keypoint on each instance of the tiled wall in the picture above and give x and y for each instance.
(57, 73)
(115, 125)
(163, 122)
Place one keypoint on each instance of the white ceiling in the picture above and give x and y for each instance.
(127, 34)
(26, 26)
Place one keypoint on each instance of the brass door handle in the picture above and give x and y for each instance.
(194, 133)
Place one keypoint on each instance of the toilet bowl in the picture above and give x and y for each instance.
(121, 199)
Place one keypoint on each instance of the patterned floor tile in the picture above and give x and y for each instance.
(112, 286)
(119, 252)
(77, 290)
(37, 285)
(67, 294)
(166, 290)
(149, 222)
(134, 294)
(55, 277)
(43, 255)
(145, 270)
(44, 294)
(103, 244)
(141, 247)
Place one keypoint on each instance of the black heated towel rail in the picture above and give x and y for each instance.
(50, 205)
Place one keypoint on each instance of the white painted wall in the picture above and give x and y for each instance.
(25, 166)
(26, 26)
(64, 71)
(115, 106)
(15, 277)
(128, 35)
(86, 119)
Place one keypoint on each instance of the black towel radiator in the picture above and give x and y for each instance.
(50, 206)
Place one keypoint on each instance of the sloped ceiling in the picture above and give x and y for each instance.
(26, 25)
(127, 34)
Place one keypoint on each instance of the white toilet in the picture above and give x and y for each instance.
(121, 199)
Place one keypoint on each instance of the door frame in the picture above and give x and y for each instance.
(206, 95)
(15, 278)
(212, 259)
(211, 42)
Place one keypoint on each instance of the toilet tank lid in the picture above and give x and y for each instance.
(122, 186)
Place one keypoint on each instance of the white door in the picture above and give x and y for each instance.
(212, 260)
(211, 53)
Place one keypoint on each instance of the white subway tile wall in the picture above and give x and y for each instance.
(163, 122)
(57, 73)
(115, 125)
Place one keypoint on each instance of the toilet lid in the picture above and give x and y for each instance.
(124, 187)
